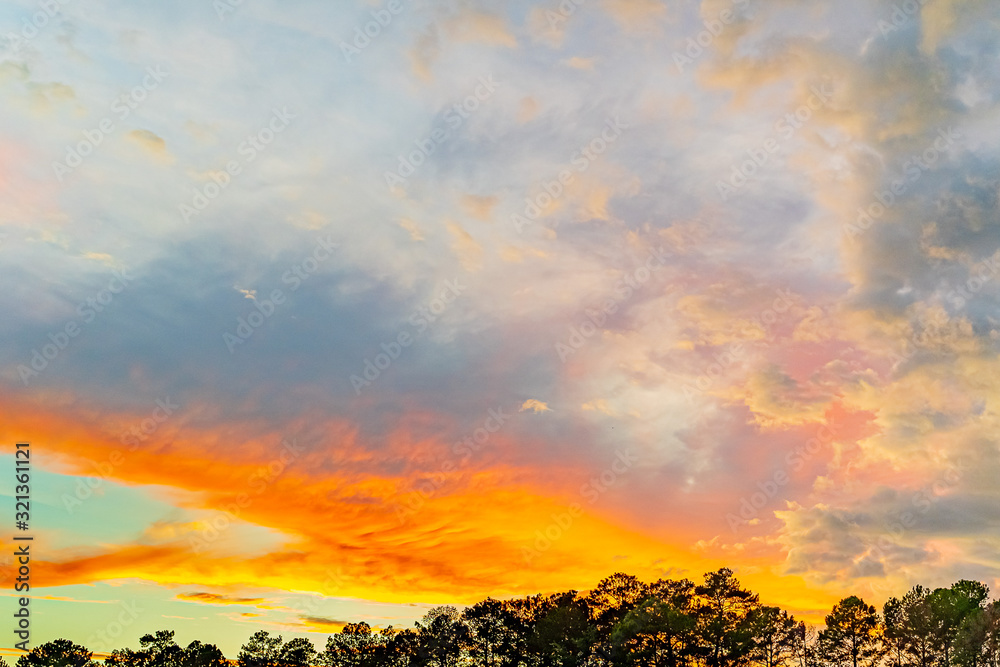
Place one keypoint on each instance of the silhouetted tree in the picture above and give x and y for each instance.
(894, 630)
(656, 632)
(443, 636)
(949, 607)
(197, 654)
(57, 653)
(612, 599)
(725, 619)
(991, 641)
(853, 634)
(622, 622)
(527, 612)
(126, 657)
(913, 627)
(678, 592)
(263, 650)
(160, 649)
(298, 652)
(496, 634)
(356, 645)
(977, 643)
(775, 637)
(405, 650)
(805, 647)
(564, 637)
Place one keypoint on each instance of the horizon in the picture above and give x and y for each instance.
(614, 595)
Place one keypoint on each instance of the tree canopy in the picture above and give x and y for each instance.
(623, 622)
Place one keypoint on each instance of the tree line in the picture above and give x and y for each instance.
(621, 622)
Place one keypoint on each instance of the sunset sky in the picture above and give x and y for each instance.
(309, 326)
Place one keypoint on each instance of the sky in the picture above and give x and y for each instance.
(329, 312)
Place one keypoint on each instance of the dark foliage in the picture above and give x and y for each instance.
(621, 622)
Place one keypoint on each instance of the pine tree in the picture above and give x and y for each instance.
(853, 634)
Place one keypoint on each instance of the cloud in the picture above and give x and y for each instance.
(479, 207)
(466, 248)
(535, 406)
(517, 254)
(152, 144)
(576, 62)
(321, 624)
(101, 257)
(464, 26)
(214, 598)
(635, 14)
(425, 51)
(528, 110)
(547, 26)
(597, 405)
(414, 230)
(775, 399)
(481, 27)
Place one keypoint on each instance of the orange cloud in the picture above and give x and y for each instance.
(214, 598)
(458, 545)
(479, 207)
(535, 406)
(320, 624)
